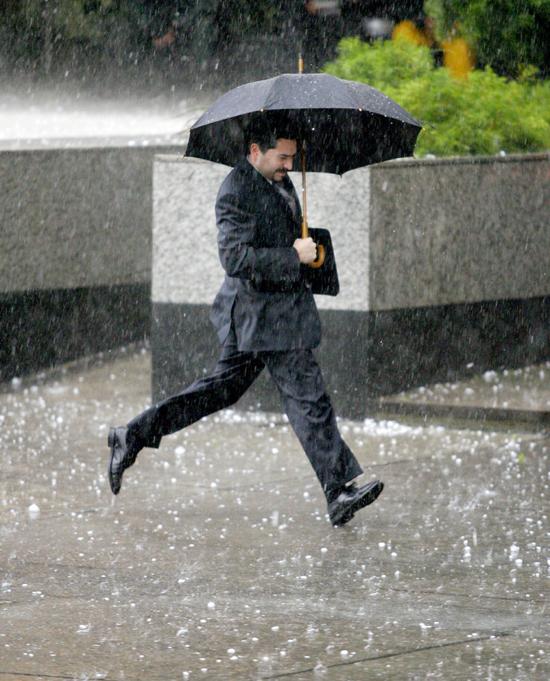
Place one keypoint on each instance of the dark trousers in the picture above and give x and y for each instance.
(305, 401)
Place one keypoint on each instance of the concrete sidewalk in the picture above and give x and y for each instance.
(514, 396)
(217, 561)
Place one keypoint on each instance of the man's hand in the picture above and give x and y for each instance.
(307, 250)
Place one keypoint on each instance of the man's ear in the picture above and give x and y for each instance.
(253, 150)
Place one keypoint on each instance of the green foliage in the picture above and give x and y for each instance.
(247, 17)
(84, 20)
(213, 25)
(98, 30)
(383, 63)
(481, 115)
(446, 13)
(61, 28)
(506, 34)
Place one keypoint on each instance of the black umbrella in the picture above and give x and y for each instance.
(345, 124)
(341, 125)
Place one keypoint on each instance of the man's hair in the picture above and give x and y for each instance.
(265, 140)
(266, 137)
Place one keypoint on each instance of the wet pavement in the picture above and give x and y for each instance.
(512, 395)
(217, 561)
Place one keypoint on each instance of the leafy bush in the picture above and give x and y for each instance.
(382, 64)
(505, 34)
(481, 115)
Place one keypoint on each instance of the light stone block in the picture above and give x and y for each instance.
(341, 204)
(406, 234)
(186, 267)
(459, 230)
(73, 218)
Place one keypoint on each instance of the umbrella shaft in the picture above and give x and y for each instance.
(320, 259)
(305, 232)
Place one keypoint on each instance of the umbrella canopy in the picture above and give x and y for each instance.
(344, 124)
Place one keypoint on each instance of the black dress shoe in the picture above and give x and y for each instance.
(351, 499)
(122, 457)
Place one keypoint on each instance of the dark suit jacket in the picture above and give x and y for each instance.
(264, 294)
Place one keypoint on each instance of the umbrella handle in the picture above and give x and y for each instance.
(320, 259)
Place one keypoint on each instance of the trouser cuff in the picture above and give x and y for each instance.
(136, 443)
(333, 493)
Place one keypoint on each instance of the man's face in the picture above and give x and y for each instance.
(276, 162)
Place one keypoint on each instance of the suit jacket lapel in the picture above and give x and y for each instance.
(290, 188)
(262, 184)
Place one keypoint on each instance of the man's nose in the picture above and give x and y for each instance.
(288, 162)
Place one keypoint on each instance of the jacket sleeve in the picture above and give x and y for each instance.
(236, 229)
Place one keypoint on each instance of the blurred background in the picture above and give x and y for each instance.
(475, 72)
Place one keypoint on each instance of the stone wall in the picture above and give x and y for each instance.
(75, 253)
(444, 269)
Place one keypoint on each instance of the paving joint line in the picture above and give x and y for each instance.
(385, 656)
(29, 675)
(432, 592)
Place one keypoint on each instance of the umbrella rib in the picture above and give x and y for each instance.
(379, 113)
(360, 108)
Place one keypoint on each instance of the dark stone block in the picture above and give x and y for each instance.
(185, 347)
(40, 329)
(412, 347)
(365, 355)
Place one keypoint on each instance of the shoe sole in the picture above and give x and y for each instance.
(111, 441)
(368, 498)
